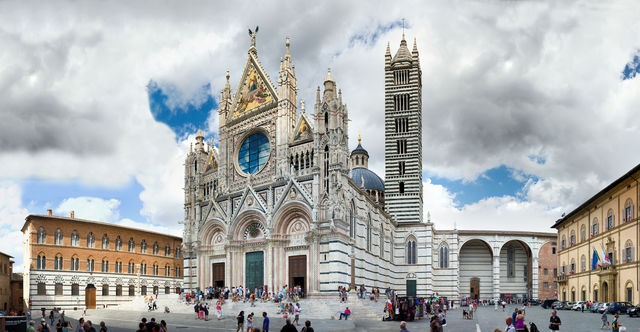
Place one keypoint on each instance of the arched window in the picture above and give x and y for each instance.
(105, 265)
(583, 263)
(118, 243)
(572, 238)
(563, 242)
(352, 221)
(326, 168)
(57, 262)
(155, 269)
(57, 238)
(118, 266)
(583, 233)
(167, 270)
(90, 265)
(42, 260)
(369, 234)
(75, 263)
(511, 261)
(156, 248)
(628, 211)
(75, 238)
(91, 240)
(628, 252)
(42, 235)
(391, 246)
(132, 245)
(610, 220)
(143, 268)
(143, 247)
(381, 237)
(167, 250)
(444, 256)
(594, 227)
(326, 121)
(572, 268)
(131, 267)
(178, 252)
(411, 252)
(177, 272)
(105, 241)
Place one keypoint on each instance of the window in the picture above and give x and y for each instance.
(105, 242)
(401, 146)
(155, 269)
(58, 289)
(75, 264)
(402, 125)
(105, 290)
(167, 250)
(90, 240)
(326, 121)
(352, 221)
(143, 268)
(628, 211)
(326, 168)
(555, 271)
(401, 187)
(167, 271)
(167, 290)
(553, 250)
(90, 265)
(143, 247)
(42, 235)
(511, 262)
(42, 260)
(75, 238)
(572, 266)
(611, 256)
(253, 153)
(583, 263)
(369, 234)
(401, 168)
(563, 242)
(57, 263)
(583, 233)
(401, 102)
(57, 238)
(132, 245)
(545, 271)
(555, 286)
(381, 238)
(177, 272)
(118, 243)
(75, 289)
(118, 267)
(594, 227)
(545, 284)
(118, 290)
(131, 268)
(132, 290)
(610, 220)
(411, 252)
(572, 238)
(42, 288)
(444, 257)
(178, 252)
(628, 252)
(401, 76)
(629, 297)
(105, 266)
(143, 290)
(156, 248)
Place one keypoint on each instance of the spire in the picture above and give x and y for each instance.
(199, 133)
(359, 138)
(340, 96)
(287, 55)
(329, 78)
(387, 56)
(302, 105)
(199, 140)
(318, 96)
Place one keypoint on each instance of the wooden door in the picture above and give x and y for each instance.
(254, 269)
(474, 289)
(411, 288)
(298, 271)
(90, 296)
(217, 273)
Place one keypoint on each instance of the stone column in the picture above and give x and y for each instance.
(534, 276)
(496, 277)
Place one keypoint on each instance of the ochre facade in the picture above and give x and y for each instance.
(607, 223)
(6, 269)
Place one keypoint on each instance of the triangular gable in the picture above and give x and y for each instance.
(304, 129)
(294, 191)
(215, 211)
(254, 89)
(212, 163)
(249, 200)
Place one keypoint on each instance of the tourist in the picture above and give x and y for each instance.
(31, 327)
(88, 327)
(206, 311)
(403, 327)
(196, 310)
(345, 314)
(615, 325)
(554, 321)
(604, 319)
(240, 319)
(67, 327)
(265, 322)
(51, 317)
(435, 324)
(288, 327)
(504, 304)
(79, 328)
(296, 314)
(307, 327)
(142, 327)
(520, 326)
(510, 327)
(103, 327)
(219, 310)
(44, 327)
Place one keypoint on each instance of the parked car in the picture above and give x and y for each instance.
(634, 311)
(619, 307)
(568, 306)
(602, 307)
(546, 304)
(594, 306)
(534, 302)
(578, 306)
(557, 305)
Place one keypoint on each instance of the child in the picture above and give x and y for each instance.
(604, 320)
(219, 310)
(240, 319)
(250, 322)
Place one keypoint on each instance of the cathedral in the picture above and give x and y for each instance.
(283, 200)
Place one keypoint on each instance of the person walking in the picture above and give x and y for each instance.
(615, 325)
(103, 327)
(307, 327)
(265, 322)
(510, 327)
(520, 326)
(240, 319)
(403, 327)
(296, 314)
(554, 321)
(288, 327)
(250, 322)
(435, 324)
(604, 319)
(219, 310)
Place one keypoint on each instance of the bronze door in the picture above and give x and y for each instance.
(90, 296)
(298, 271)
(474, 289)
(218, 274)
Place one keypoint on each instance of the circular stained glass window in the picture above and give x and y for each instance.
(253, 153)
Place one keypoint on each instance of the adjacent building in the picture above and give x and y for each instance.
(74, 263)
(282, 200)
(6, 270)
(606, 225)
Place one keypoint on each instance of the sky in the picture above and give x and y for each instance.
(529, 108)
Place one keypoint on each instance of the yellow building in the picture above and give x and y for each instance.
(608, 224)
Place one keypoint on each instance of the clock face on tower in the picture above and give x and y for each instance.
(253, 153)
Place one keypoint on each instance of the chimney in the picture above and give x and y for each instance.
(49, 212)
(72, 214)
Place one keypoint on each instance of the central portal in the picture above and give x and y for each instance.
(474, 288)
(218, 274)
(254, 269)
(298, 271)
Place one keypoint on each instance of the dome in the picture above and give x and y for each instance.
(359, 150)
(371, 180)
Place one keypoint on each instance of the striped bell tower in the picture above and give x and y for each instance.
(403, 134)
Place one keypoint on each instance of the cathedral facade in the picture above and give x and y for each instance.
(282, 200)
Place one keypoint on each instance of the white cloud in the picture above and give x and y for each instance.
(91, 208)
(12, 217)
